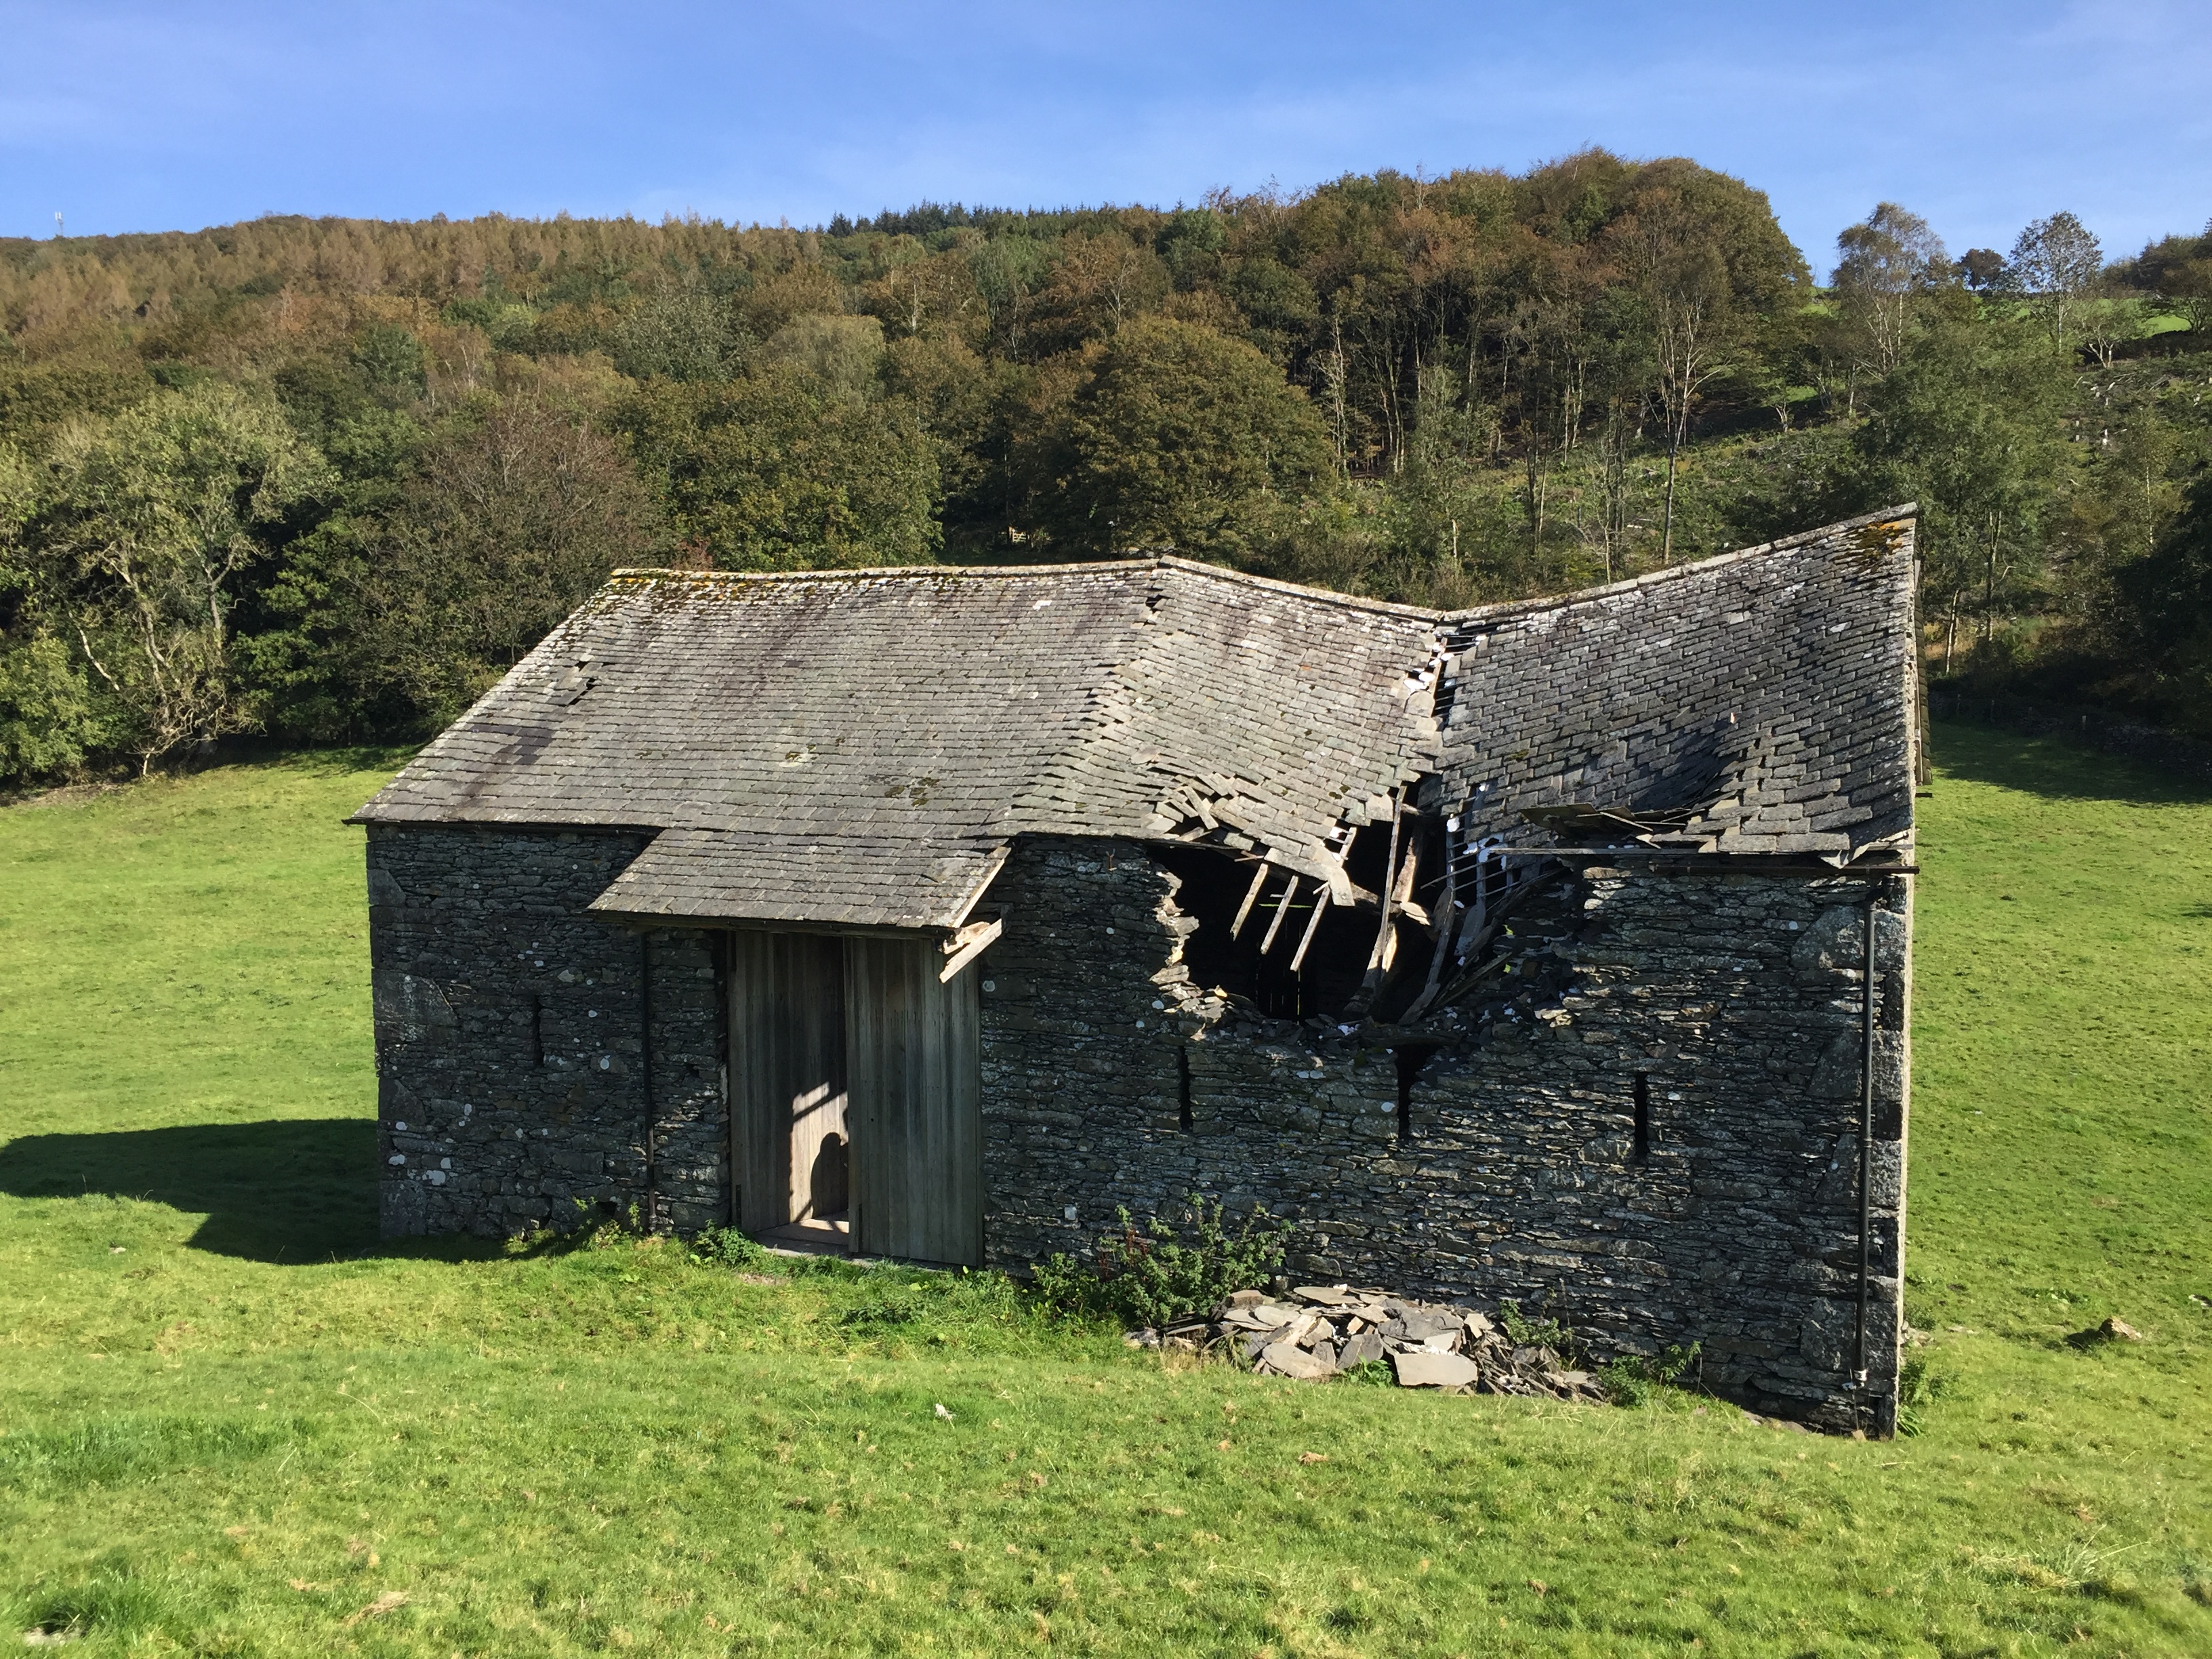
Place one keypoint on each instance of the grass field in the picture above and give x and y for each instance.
(232, 1423)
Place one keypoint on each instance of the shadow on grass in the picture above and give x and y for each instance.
(301, 1189)
(339, 760)
(2059, 768)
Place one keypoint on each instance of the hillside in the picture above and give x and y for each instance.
(326, 479)
(231, 1421)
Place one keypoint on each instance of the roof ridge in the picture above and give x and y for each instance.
(839, 573)
(1430, 614)
(1296, 590)
(1507, 608)
(1066, 567)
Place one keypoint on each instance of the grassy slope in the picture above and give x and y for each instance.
(221, 1439)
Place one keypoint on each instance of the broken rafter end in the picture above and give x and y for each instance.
(965, 946)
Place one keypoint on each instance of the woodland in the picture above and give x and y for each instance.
(326, 480)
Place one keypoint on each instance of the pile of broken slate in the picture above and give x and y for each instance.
(1316, 1331)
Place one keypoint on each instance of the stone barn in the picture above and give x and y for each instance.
(1557, 950)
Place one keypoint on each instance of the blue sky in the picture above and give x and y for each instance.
(146, 116)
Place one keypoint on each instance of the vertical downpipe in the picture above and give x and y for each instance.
(723, 949)
(1866, 1133)
(644, 1075)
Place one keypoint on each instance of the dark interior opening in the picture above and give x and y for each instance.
(1182, 1089)
(1411, 1060)
(1214, 886)
(1643, 1117)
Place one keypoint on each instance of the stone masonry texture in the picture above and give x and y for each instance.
(512, 1053)
(512, 1092)
(1638, 1111)
(1735, 997)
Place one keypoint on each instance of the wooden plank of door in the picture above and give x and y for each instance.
(913, 1049)
(786, 1064)
(813, 1013)
(760, 1144)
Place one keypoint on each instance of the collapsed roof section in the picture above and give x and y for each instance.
(1759, 702)
(859, 748)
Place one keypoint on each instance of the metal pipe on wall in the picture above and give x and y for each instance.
(651, 1217)
(722, 944)
(1866, 1130)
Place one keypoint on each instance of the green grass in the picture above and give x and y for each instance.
(231, 1423)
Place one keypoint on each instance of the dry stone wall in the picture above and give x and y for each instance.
(1735, 998)
(514, 1081)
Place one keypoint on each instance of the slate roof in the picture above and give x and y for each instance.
(860, 748)
(1763, 701)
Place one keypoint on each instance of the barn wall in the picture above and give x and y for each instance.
(510, 1050)
(1735, 997)
(509, 1090)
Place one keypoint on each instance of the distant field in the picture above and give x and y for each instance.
(232, 1423)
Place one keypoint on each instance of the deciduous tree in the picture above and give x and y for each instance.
(1884, 264)
(1967, 424)
(2056, 263)
(151, 521)
(515, 515)
(778, 469)
(1182, 439)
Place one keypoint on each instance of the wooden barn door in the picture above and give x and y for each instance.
(787, 1094)
(912, 1058)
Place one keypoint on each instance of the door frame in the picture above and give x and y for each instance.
(907, 1056)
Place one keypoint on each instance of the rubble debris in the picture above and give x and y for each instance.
(1317, 1331)
(1424, 1368)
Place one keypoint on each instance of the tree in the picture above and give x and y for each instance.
(2056, 263)
(1276, 304)
(2128, 498)
(389, 361)
(2169, 596)
(970, 419)
(1967, 425)
(2109, 321)
(152, 520)
(1883, 264)
(1982, 270)
(1183, 439)
(515, 515)
(1684, 286)
(780, 469)
(929, 294)
(48, 720)
(844, 353)
(1190, 245)
(677, 330)
(1705, 261)
(1099, 282)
